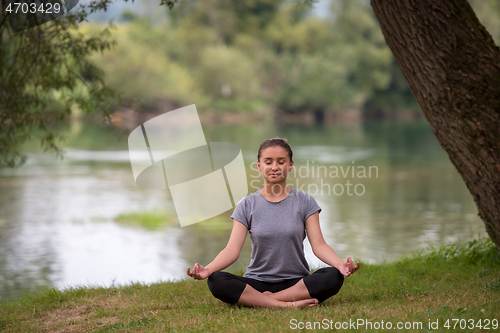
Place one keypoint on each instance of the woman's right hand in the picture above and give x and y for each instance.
(199, 272)
(226, 257)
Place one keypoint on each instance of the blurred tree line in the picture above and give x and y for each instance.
(245, 55)
(242, 56)
(224, 55)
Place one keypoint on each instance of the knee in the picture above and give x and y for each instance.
(224, 287)
(333, 280)
(216, 283)
(324, 283)
(337, 279)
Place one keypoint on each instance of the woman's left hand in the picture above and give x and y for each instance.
(348, 267)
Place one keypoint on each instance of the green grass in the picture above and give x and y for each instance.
(158, 218)
(152, 220)
(457, 281)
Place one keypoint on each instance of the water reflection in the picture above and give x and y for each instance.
(56, 217)
(104, 253)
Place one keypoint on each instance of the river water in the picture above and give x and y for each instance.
(57, 226)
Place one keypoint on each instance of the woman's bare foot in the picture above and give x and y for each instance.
(303, 303)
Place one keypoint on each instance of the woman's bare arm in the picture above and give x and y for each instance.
(226, 257)
(323, 251)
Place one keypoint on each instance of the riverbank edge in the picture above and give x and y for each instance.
(460, 282)
(127, 118)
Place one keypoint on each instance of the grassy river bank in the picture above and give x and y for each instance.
(452, 288)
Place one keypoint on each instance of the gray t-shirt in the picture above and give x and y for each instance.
(277, 231)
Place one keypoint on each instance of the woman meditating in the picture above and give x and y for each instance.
(277, 217)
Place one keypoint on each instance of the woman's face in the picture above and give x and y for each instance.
(274, 164)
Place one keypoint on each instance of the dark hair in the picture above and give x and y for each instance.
(275, 142)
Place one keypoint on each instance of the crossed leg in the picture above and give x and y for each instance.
(252, 297)
(319, 286)
(298, 291)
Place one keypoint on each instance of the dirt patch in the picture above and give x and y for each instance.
(76, 317)
(73, 319)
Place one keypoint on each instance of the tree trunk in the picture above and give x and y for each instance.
(452, 67)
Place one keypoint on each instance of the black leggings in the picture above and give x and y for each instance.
(322, 284)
